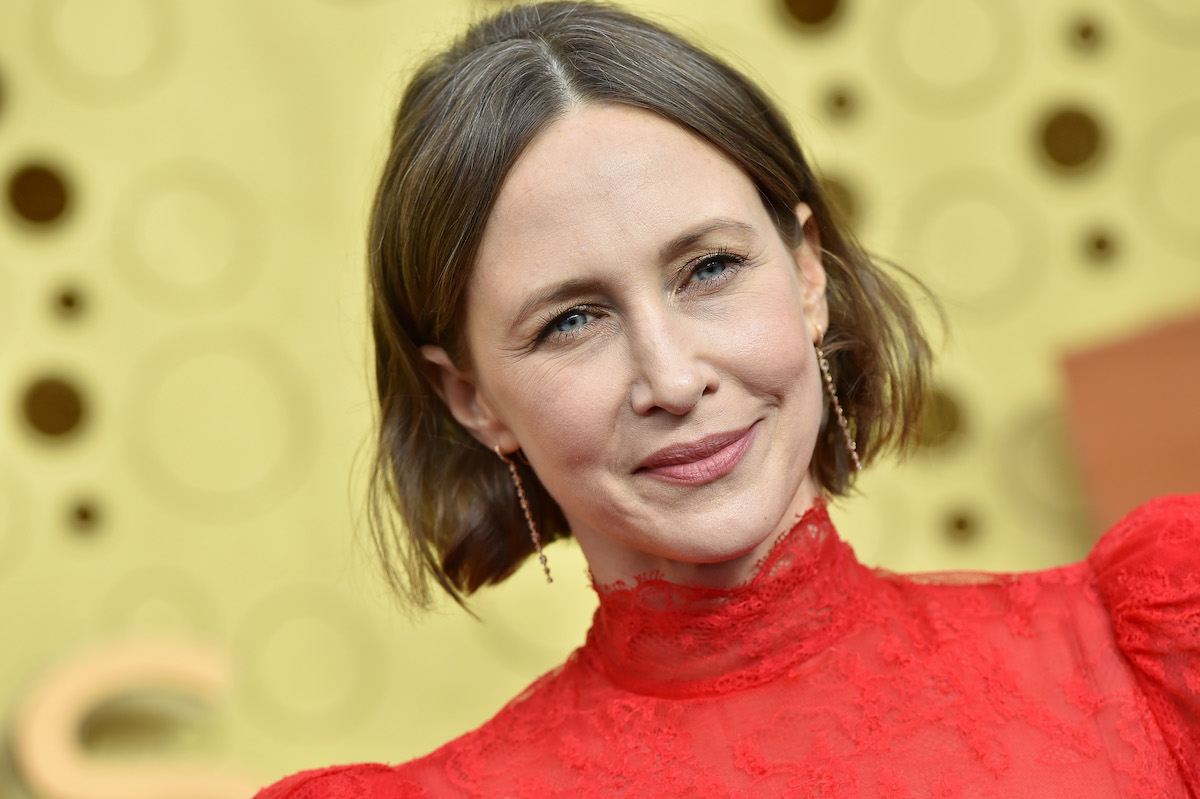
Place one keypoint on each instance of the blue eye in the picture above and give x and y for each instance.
(571, 321)
(710, 268)
(566, 325)
(715, 268)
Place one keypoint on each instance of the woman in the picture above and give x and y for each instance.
(611, 301)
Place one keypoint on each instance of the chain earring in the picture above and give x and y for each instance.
(533, 533)
(851, 446)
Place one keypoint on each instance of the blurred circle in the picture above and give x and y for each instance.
(840, 102)
(84, 515)
(1070, 138)
(962, 526)
(38, 193)
(978, 239)
(312, 667)
(1086, 35)
(53, 405)
(69, 302)
(219, 424)
(104, 50)
(1037, 465)
(1100, 246)
(156, 599)
(842, 197)
(949, 55)
(811, 13)
(1167, 177)
(520, 629)
(187, 237)
(942, 425)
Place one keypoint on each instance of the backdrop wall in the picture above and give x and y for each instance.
(183, 363)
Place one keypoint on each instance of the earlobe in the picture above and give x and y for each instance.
(811, 269)
(459, 390)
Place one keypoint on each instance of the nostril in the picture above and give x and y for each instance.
(671, 370)
(675, 391)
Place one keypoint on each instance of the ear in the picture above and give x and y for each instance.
(811, 270)
(460, 391)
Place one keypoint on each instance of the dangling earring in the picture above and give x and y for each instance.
(533, 533)
(851, 446)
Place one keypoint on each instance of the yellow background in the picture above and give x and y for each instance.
(219, 158)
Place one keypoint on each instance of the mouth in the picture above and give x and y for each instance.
(699, 462)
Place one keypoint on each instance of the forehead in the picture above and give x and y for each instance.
(612, 171)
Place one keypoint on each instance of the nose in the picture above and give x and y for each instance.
(672, 373)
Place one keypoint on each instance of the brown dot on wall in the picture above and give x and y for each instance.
(1086, 35)
(1071, 138)
(962, 526)
(812, 12)
(1100, 246)
(38, 193)
(70, 302)
(840, 102)
(53, 406)
(84, 516)
(942, 424)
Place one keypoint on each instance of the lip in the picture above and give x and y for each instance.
(699, 462)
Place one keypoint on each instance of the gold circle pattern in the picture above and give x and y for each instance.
(187, 237)
(312, 669)
(105, 50)
(949, 56)
(219, 424)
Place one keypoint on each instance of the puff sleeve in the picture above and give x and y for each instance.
(364, 781)
(1148, 575)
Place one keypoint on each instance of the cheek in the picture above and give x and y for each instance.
(564, 415)
(770, 342)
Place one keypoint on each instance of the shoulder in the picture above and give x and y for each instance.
(1156, 545)
(1147, 572)
(362, 781)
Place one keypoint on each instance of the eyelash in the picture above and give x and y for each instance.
(731, 260)
(547, 323)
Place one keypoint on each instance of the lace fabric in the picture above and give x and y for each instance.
(822, 678)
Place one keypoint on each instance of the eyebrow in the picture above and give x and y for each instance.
(555, 294)
(688, 240)
(570, 289)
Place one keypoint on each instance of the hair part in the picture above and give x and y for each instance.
(442, 509)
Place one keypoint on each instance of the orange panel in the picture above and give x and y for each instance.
(1134, 409)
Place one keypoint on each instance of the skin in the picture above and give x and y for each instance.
(631, 293)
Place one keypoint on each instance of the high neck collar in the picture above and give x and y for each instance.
(666, 639)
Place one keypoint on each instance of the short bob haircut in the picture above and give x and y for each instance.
(466, 116)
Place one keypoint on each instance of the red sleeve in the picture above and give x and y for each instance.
(1148, 573)
(365, 781)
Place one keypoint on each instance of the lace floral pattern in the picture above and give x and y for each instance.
(822, 678)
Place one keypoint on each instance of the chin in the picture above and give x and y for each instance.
(725, 540)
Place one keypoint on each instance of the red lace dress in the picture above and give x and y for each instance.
(823, 678)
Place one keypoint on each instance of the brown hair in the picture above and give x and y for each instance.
(465, 117)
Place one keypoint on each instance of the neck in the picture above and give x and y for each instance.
(666, 639)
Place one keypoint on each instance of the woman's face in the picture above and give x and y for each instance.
(640, 330)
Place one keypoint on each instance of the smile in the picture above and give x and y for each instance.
(697, 463)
